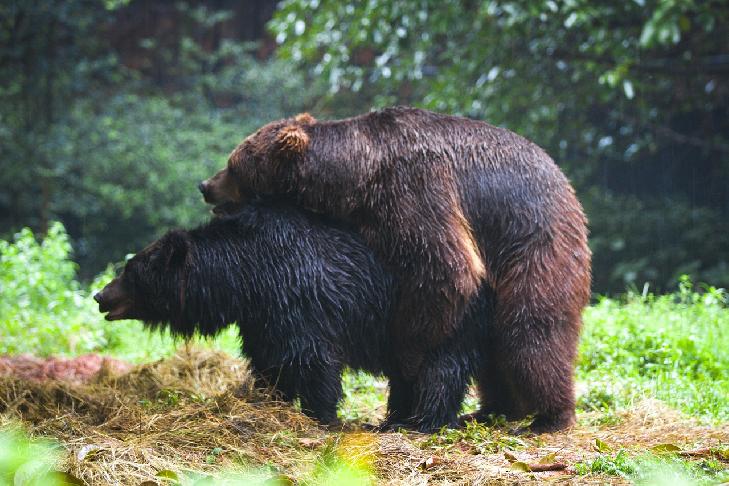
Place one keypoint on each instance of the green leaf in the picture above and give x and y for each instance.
(601, 446)
(520, 466)
(665, 448)
(168, 474)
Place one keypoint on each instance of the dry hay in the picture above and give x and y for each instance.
(199, 411)
(196, 410)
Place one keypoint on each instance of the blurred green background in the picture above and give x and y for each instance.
(111, 111)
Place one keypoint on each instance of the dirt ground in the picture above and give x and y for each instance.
(198, 411)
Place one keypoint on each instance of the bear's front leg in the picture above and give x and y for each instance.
(399, 404)
(320, 390)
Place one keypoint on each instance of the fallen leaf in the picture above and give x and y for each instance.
(601, 446)
(555, 466)
(311, 443)
(520, 466)
(548, 459)
(703, 452)
(430, 463)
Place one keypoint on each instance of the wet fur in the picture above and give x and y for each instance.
(449, 204)
(309, 298)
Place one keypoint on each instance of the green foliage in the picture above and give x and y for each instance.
(672, 347)
(655, 470)
(114, 153)
(484, 438)
(636, 241)
(42, 307)
(621, 464)
(44, 310)
(630, 98)
(29, 462)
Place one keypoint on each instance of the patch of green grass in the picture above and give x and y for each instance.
(672, 347)
(483, 437)
(656, 470)
(620, 464)
(363, 395)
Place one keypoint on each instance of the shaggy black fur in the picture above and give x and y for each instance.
(309, 298)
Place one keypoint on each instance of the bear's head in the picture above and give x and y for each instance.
(258, 165)
(150, 288)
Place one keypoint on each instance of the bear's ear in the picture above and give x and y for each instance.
(175, 248)
(292, 140)
(305, 119)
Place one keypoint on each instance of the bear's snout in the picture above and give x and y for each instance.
(204, 188)
(103, 299)
(114, 301)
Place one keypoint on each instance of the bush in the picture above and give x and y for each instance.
(43, 307)
(654, 240)
(44, 310)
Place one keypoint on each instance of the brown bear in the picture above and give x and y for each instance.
(448, 204)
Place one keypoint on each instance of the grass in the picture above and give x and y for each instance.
(656, 469)
(667, 351)
(672, 347)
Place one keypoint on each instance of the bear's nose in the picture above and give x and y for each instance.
(98, 297)
(201, 187)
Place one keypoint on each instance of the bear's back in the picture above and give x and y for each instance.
(316, 283)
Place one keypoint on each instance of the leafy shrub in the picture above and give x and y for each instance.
(42, 306)
(44, 310)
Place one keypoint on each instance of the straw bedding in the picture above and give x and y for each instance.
(198, 411)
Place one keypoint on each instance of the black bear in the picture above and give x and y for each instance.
(449, 205)
(309, 298)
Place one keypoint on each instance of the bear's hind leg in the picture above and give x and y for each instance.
(534, 361)
(433, 400)
(536, 328)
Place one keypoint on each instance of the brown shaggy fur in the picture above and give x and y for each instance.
(449, 204)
